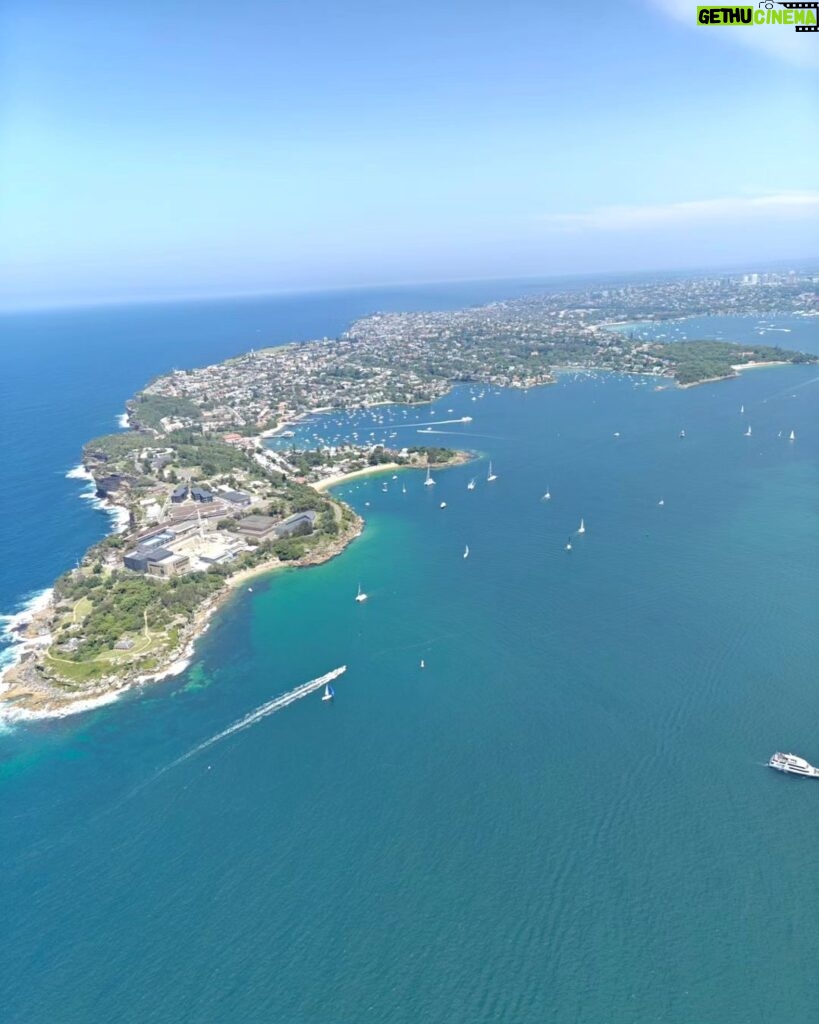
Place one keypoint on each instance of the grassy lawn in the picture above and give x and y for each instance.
(74, 671)
(142, 645)
(85, 671)
(81, 609)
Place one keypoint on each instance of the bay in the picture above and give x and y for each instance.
(565, 816)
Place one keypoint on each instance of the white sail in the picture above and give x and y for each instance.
(466, 551)
(582, 527)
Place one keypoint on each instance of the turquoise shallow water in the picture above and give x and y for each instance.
(564, 817)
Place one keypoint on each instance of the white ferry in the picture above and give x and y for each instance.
(793, 765)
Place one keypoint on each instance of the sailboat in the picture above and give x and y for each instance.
(360, 596)
(548, 495)
(661, 502)
(748, 431)
(569, 544)
(422, 663)
(403, 488)
(490, 476)
(443, 504)
(329, 693)
(682, 434)
(466, 551)
(741, 410)
(582, 527)
(429, 482)
(792, 436)
(471, 485)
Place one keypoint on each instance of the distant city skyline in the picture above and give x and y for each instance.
(254, 149)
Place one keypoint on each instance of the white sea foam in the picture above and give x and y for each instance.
(79, 473)
(11, 626)
(269, 708)
(28, 608)
(119, 515)
(11, 623)
(123, 421)
(10, 715)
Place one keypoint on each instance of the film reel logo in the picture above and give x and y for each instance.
(814, 6)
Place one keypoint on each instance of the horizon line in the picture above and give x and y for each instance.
(200, 297)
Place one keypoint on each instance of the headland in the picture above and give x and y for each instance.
(206, 502)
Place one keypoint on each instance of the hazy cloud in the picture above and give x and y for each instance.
(778, 205)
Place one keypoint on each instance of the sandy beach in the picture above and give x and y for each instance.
(341, 478)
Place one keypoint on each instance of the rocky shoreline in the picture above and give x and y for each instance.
(25, 694)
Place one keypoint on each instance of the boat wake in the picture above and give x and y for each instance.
(432, 423)
(790, 390)
(269, 708)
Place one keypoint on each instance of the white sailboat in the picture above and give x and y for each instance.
(360, 596)
(471, 485)
(548, 495)
(569, 544)
(466, 551)
(742, 410)
(582, 527)
(442, 505)
(429, 482)
(661, 502)
(490, 476)
(792, 436)
(748, 431)
(403, 488)
(329, 692)
(422, 663)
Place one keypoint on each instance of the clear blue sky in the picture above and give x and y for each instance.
(159, 147)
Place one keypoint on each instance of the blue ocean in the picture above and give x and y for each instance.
(564, 816)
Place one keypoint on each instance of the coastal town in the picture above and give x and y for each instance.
(521, 343)
(214, 487)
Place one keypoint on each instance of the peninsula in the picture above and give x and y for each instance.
(212, 495)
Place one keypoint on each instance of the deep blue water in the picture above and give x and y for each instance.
(564, 817)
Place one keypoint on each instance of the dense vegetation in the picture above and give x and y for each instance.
(701, 360)
(148, 409)
(435, 456)
(209, 454)
(111, 447)
(120, 603)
